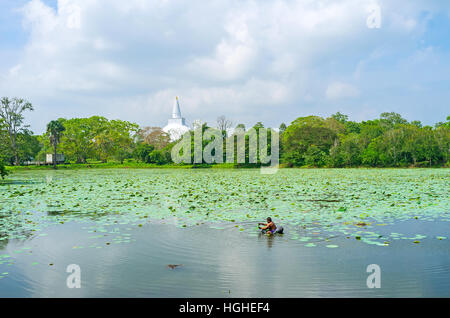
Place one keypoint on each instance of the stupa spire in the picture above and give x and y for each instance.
(176, 113)
(176, 125)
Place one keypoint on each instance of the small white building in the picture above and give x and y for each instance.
(59, 158)
(176, 126)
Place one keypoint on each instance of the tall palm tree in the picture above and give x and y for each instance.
(55, 129)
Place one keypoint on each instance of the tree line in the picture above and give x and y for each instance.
(389, 141)
(312, 141)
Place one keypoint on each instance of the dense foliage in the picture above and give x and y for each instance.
(54, 130)
(11, 114)
(3, 149)
(390, 141)
(386, 142)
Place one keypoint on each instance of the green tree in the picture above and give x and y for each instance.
(309, 132)
(28, 146)
(55, 129)
(442, 135)
(371, 154)
(3, 148)
(431, 147)
(11, 111)
(97, 138)
(340, 117)
(347, 152)
(77, 141)
(370, 130)
(142, 152)
(314, 156)
(386, 149)
(416, 123)
(392, 119)
(3, 171)
(114, 139)
(392, 144)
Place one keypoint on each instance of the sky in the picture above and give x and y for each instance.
(252, 61)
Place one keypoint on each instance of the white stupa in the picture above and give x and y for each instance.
(176, 125)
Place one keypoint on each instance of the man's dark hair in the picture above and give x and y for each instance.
(269, 219)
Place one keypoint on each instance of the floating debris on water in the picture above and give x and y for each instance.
(173, 266)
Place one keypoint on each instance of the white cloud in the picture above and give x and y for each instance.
(337, 90)
(128, 59)
(71, 12)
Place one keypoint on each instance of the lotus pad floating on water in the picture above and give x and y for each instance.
(334, 202)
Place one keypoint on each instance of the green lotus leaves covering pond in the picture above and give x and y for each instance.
(313, 205)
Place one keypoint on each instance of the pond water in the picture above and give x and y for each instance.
(123, 227)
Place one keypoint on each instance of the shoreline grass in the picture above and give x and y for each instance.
(139, 165)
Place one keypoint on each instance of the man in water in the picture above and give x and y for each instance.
(270, 227)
